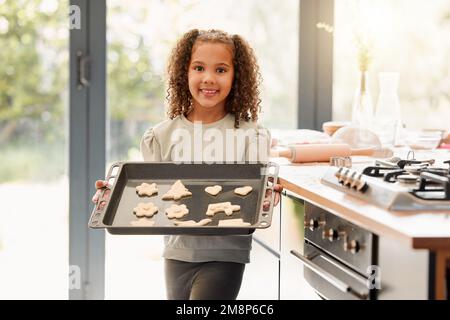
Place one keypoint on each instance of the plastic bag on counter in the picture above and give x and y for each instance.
(361, 139)
(357, 137)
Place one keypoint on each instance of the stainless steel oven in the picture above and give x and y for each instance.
(344, 261)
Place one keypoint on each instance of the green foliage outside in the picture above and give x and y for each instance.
(34, 40)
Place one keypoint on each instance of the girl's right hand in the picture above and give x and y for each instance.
(100, 185)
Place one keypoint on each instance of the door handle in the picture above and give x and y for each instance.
(83, 70)
(335, 282)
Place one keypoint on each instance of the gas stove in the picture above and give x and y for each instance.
(396, 184)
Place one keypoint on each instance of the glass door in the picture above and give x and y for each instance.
(34, 249)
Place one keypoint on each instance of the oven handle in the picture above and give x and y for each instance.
(328, 276)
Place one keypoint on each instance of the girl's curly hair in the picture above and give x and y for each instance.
(243, 100)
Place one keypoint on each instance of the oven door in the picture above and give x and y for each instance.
(330, 278)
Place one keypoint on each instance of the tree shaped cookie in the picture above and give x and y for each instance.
(177, 191)
(177, 211)
(146, 189)
(226, 207)
(145, 210)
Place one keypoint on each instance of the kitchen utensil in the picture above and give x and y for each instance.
(117, 214)
(423, 140)
(345, 162)
(302, 153)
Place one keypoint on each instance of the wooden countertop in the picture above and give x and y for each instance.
(421, 230)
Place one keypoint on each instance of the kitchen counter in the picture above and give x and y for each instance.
(420, 230)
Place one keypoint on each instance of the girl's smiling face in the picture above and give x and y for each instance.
(211, 74)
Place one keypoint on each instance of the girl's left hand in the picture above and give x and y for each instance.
(278, 188)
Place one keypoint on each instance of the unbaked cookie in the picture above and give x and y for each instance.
(214, 191)
(243, 191)
(226, 207)
(177, 211)
(177, 191)
(146, 189)
(233, 223)
(143, 222)
(145, 210)
(192, 223)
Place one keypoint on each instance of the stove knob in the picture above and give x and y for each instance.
(360, 185)
(331, 234)
(352, 246)
(346, 175)
(339, 173)
(314, 224)
(346, 182)
(342, 174)
(356, 181)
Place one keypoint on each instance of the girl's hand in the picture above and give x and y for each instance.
(278, 188)
(100, 185)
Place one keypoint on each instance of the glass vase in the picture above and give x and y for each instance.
(362, 111)
(387, 122)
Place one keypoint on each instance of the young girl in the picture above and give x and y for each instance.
(213, 83)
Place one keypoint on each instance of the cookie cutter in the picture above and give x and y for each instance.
(341, 162)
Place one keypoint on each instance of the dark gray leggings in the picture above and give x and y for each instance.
(214, 280)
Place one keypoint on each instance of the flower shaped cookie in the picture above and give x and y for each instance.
(146, 189)
(177, 211)
(145, 210)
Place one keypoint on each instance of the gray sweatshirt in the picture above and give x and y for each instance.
(213, 142)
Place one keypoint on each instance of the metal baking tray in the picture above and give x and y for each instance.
(123, 177)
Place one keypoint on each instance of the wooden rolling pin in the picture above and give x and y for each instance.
(301, 153)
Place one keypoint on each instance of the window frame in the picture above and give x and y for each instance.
(315, 84)
(87, 147)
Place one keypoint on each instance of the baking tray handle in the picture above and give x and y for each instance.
(271, 173)
(97, 215)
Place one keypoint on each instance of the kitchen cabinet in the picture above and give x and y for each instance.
(261, 277)
(274, 273)
(292, 284)
(270, 237)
